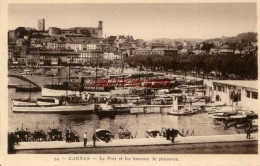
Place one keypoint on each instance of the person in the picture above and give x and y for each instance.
(168, 136)
(85, 139)
(67, 136)
(94, 139)
(17, 139)
(174, 134)
(248, 132)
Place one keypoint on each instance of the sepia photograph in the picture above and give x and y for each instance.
(132, 78)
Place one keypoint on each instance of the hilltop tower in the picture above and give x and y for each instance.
(100, 29)
(41, 24)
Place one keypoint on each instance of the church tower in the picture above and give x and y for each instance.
(100, 29)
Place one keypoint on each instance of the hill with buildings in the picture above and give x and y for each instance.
(247, 37)
(168, 40)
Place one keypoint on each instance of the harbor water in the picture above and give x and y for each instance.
(200, 124)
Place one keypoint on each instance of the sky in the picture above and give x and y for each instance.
(146, 21)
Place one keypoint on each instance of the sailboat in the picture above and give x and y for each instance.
(181, 110)
(64, 104)
(69, 88)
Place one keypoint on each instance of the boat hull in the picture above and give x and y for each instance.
(46, 92)
(55, 109)
(180, 114)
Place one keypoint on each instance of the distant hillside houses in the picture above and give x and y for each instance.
(83, 45)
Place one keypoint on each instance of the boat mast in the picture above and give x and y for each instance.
(30, 90)
(66, 86)
(69, 73)
(96, 71)
(123, 69)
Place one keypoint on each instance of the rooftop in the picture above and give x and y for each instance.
(242, 83)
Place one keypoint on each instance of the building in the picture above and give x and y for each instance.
(214, 51)
(41, 24)
(156, 51)
(79, 31)
(112, 56)
(226, 50)
(89, 56)
(58, 57)
(56, 45)
(241, 93)
(76, 46)
(54, 31)
(89, 46)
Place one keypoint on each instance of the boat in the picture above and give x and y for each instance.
(21, 88)
(122, 108)
(105, 110)
(26, 72)
(124, 133)
(56, 91)
(13, 85)
(39, 101)
(182, 112)
(103, 135)
(153, 133)
(66, 105)
(55, 109)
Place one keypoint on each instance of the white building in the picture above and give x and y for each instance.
(74, 46)
(89, 56)
(241, 93)
(56, 45)
(111, 56)
(89, 46)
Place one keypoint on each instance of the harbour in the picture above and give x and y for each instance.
(136, 118)
(139, 83)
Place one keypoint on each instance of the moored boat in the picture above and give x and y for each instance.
(61, 105)
(103, 135)
(105, 110)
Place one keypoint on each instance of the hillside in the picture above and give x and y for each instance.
(167, 40)
(247, 37)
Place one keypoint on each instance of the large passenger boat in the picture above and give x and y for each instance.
(70, 104)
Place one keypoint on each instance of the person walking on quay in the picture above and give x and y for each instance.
(67, 136)
(94, 139)
(174, 134)
(168, 136)
(85, 139)
(248, 132)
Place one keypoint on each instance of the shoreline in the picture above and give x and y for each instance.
(144, 144)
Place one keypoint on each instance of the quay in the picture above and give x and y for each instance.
(218, 143)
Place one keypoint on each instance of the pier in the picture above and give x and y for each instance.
(121, 145)
(36, 88)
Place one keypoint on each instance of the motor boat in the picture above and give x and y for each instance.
(182, 112)
(63, 105)
(103, 135)
(105, 110)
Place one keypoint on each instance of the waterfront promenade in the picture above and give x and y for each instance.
(147, 144)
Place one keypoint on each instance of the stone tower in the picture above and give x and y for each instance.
(100, 29)
(41, 24)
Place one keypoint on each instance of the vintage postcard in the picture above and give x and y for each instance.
(129, 83)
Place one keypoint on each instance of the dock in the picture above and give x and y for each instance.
(140, 142)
